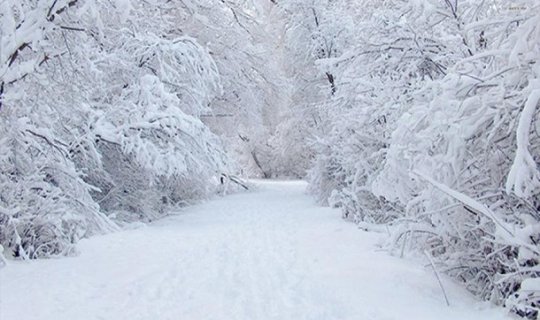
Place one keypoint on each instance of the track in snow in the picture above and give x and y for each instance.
(268, 254)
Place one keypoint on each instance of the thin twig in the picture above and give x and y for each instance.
(438, 276)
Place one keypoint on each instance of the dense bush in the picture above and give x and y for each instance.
(430, 127)
(100, 116)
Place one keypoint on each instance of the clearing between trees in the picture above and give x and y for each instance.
(267, 254)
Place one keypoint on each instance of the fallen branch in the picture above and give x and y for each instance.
(236, 180)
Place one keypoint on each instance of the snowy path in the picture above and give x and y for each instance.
(269, 254)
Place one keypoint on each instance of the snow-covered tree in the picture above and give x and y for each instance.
(462, 162)
(431, 129)
(100, 114)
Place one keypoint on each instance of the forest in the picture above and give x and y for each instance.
(418, 119)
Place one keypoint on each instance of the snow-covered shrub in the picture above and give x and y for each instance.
(150, 133)
(45, 204)
(464, 163)
(98, 120)
(432, 128)
(397, 51)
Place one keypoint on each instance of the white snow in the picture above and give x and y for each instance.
(268, 254)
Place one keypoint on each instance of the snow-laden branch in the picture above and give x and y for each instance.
(524, 175)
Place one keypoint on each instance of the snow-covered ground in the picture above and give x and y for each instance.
(268, 254)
